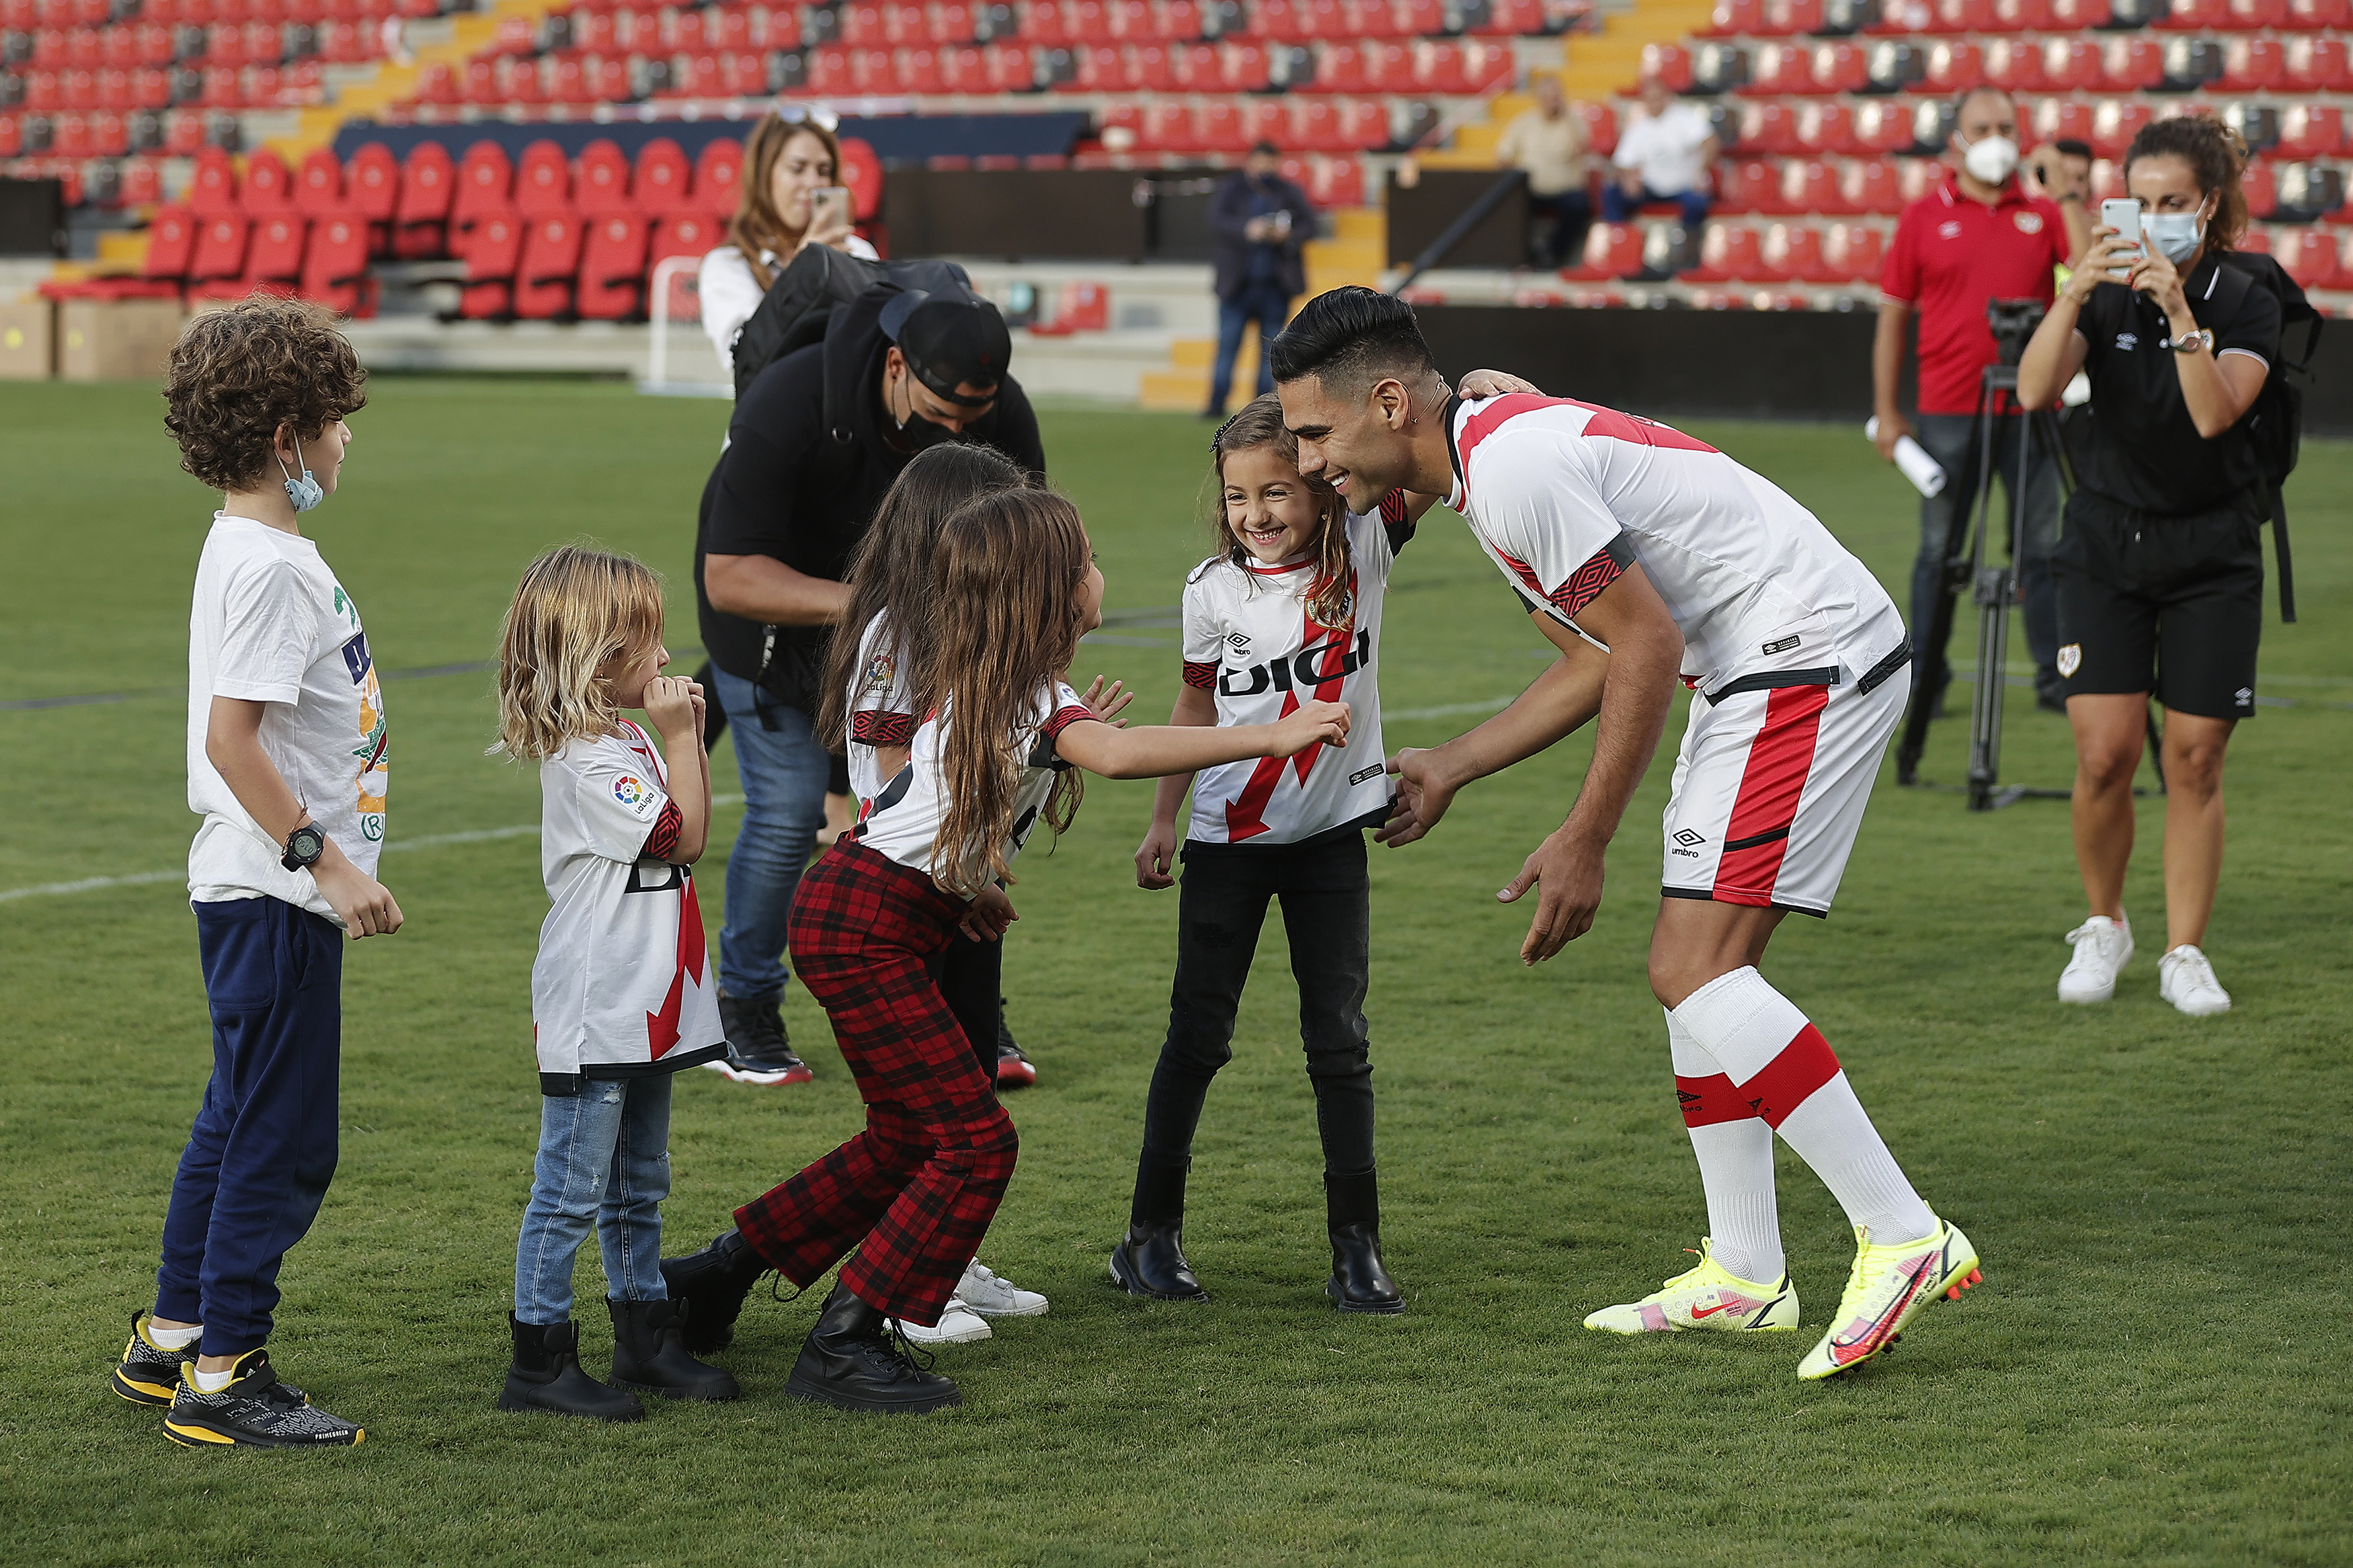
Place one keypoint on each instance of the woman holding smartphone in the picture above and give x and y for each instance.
(792, 197)
(2160, 566)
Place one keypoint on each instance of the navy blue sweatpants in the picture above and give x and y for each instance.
(263, 1147)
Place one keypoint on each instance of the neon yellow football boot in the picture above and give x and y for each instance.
(1709, 1297)
(1886, 1290)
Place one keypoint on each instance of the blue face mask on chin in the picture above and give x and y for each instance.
(305, 492)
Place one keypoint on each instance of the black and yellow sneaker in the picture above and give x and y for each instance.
(255, 1411)
(148, 1373)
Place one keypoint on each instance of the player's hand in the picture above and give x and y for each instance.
(1107, 704)
(1568, 869)
(670, 705)
(1155, 857)
(1313, 724)
(364, 904)
(1893, 428)
(988, 917)
(1493, 383)
(1422, 797)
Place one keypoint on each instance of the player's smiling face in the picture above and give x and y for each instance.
(1268, 505)
(1357, 446)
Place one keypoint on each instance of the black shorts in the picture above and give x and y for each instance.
(2169, 605)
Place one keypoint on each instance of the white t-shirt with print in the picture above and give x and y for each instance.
(902, 821)
(270, 623)
(880, 708)
(1250, 641)
(624, 978)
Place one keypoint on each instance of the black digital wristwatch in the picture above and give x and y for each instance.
(303, 847)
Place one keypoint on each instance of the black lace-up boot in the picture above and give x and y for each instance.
(1150, 1261)
(649, 1354)
(851, 1361)
(546, 1375)
(710, 1286)
(1359, 1283)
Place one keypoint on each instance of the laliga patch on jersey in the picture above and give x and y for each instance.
(2070, 658)
(636, 795)
(2028, 222)
(881, 671)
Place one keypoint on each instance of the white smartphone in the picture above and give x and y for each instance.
(2123, 214)
(829, 207)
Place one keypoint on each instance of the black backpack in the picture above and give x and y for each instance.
(817, 283)
(2275, 423)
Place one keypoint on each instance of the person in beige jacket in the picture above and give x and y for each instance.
(1547, 143)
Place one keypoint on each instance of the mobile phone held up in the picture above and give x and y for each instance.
(829, 208)
(2123, 214)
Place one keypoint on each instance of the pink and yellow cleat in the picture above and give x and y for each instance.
(1885, 1292)
(1708, 1297)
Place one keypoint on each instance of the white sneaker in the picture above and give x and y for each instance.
(958, 1325)
(2103, 948)
(992, 1297)
(2185, 979)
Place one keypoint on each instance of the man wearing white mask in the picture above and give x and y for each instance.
(1982, 234)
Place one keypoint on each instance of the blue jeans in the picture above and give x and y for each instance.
(784, 770)
(263, 1147)
(1616, 206)
(1264, 303)
(604, 1160)
(1950, 438)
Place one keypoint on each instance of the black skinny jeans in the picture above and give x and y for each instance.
(971, 976)
(1327, 915)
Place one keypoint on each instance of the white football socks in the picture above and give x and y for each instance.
(174, 1339)
(211, 1381)
(1734, 1149)
(1781, 1061)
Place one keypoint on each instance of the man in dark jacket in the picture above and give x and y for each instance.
(1260, 221)
(816, 441)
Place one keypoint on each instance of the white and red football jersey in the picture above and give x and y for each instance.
(1250, 641)
(623, 980)
(903, 820)
(879, 707)
(1564, 496)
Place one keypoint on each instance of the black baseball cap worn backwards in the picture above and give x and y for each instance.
(950, 339)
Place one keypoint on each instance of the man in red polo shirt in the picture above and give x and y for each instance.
(1980, 236)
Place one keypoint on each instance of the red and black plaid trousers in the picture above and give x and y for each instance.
(914, 1193)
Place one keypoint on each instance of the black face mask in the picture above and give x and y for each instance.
(921, 433)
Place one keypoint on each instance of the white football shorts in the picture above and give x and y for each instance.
(1770, 785)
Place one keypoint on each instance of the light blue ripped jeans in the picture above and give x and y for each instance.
(604, 1161)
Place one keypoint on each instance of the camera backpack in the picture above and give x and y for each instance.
(2275, 422)
(817, 282)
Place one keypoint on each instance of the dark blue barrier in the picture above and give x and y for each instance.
(895, 138)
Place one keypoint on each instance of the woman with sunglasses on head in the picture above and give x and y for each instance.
(792, 154)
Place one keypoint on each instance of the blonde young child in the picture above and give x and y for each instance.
(622, 994)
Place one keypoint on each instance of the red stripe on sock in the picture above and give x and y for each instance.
(1708, 1101)
(1786, 1082)
(1779, 760)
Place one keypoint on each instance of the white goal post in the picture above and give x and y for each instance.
(666, 280)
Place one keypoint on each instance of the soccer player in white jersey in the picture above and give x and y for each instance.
(1643, 555)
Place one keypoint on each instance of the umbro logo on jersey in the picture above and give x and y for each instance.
(2128, 341)
(1781, 645)
(1361, 774)
(1302, 671)
(1687, 838)
(1239, 642)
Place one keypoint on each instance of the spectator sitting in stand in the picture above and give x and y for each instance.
(1260, 220)
(1663, 157)
(1548, 144)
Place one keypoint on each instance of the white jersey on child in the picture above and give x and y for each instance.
(903, 820)
(624, 978)
(1565, 496)
(1250, 641)
(880, 708)
(271, 625)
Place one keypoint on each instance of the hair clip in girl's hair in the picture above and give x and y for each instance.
(1218, 440)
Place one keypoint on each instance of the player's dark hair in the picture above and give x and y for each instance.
(1350, 338)
(891, 573)
(2217, 158)
(238, 376)
(2068, 147)
(1259, 424)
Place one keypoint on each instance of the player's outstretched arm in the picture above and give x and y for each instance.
(1645, 652)
(1156, 750)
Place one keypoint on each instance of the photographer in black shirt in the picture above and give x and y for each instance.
(2160, 567)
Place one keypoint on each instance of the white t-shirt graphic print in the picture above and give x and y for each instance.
(623, 983)
(1250, 642)
(270, 623)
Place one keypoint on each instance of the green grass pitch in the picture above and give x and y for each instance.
(2154, 1370)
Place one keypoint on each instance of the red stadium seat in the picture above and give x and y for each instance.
(663, 178)
(1729, 252)
(1841, 68)
(1167, 128)
(1418, 18)
(1131, 20)
(1871, 185)
(143, 183)
(319, 187)
(2071, 65)
(171, 245)
(485, 185)
(1792, 254)
(1389, 65)
(862, 171)
(1883, 127)
(1180, 20)
(1315, 126)
(2022, 16)
(683, 234)
(2134, 65)
(2254, 65)
(2061, 120)
(719, 176)
(1954, 68)
(429, 183)
(1149, 68)
(1826, 128)
(550, 264)
(335, 271)
(220, 256)
(1780, 69)
(1341, 183)
(1612, 250)
(613, 268)
(2251, 16)
(2313, 16)
(1008, 67)
(1962, 16)
(543, 182)
(1600, 126)
(862, 24)
(273, 257)
(1218, 128)
(603, 183)
(2114, 123)
(491, 264)
(2257, 185)
(1098, 68)
(1808, 185)
(1339, 68)
(1669, 63)
(372, 181)
(1755, 187)
(212, 187)
(1769, 128)
(2315, 257)
(2014, 65)
(1243, 67)
(2317, 65)
(2311, 130)
(1735, 18)
(1851, 253)
(1265, 120)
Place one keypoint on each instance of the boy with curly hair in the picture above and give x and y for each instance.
(286, 765)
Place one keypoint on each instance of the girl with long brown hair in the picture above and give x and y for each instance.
(998, 749)
(791, 155)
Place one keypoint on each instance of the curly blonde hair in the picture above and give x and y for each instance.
(577, 613)
(239, 376)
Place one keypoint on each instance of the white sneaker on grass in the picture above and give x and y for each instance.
(2103, 948)
(958, 1325)
(2185, 979)
(993, 1296)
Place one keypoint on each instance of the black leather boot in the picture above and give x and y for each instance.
(851, 1362)
(546, 1375)
(1150, 1262)
(649, 1354)
(710, 1286)
(1359, 1283)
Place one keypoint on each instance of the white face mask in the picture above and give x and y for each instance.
(1991, 159)
(2174, 236)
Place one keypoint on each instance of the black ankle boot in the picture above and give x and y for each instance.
(546, 1375)
(1150, 1262)
(1359, 1283)
(851, 1362)
(710, 1286)
(649, 1354)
